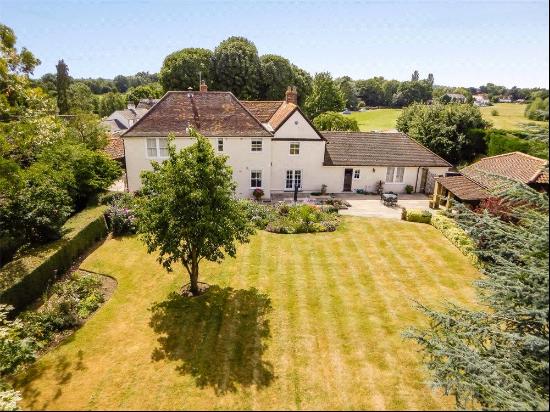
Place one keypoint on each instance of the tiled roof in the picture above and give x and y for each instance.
(377, 149)
(262, 110)
(210, 113)
(132, 113)
(515, 166)
(463, 188)
(542, 178)
(282, 113)
(115, 147)
(146, 103)
(113, 125)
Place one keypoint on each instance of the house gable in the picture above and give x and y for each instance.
(295, 126)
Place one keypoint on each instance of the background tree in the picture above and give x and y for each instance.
(415, 76)
(333, 121)
(110, 102)
(430, 79)
(121, 83)
(62, 86)
(411, 92)
(496, 357)
(180, 70)
(148, 91)
(277, 75)
(188, 211)
(325, 96)
(347, 88)
(236, 68)
(80, 98)
(444, 129)
(303, 82)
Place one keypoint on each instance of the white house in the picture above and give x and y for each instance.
(273, 146)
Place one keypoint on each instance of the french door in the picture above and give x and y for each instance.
(293, 179)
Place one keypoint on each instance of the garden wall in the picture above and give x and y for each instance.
(25, 279)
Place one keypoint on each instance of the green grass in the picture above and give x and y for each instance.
(378, 119)
(309, 321)
(510, 116)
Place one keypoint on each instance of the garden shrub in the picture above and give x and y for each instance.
(302, 218)
(25, 279)
(458, 237)
(416, 215)
(121, 219)
(409, 189)
(258, 213)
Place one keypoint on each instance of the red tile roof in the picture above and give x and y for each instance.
(210, 113)
(463, 188)
(515, 166)
(377, 149)
(115, 147)
(282, 114)
(262, 110)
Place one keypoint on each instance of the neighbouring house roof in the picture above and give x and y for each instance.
(542, 178)
(457, 96)
(463, 188)
(146, 103)
(377, 149)
(113, 125)
(262, 110)
(115, 147)
(210, 113)
(133, 113)
(515, 166)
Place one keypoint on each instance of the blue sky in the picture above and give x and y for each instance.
(460, 42)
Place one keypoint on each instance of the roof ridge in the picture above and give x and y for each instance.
(249, 113)
(146, 113)
(510, 154)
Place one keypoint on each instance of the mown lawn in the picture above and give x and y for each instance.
(510, 116)
(294, 322)
(377, 119)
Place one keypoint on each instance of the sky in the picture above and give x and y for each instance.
(463, 43)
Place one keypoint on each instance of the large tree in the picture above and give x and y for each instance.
(325, 96)
(496, 355)
(180, 70)
(236, 68)
(277, 75)
(147, 91)
(62, 84)
(80, 98)
(411, 92)
(304, 83)
(444, 129)
(348, 90)
(188, 212)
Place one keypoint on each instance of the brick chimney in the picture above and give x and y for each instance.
(204, 86)
(292, 95)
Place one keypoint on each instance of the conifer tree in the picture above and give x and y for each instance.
(497, 357)
(62, 85)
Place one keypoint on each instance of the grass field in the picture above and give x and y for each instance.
(510, 116)
(294, 322)
(378, 119)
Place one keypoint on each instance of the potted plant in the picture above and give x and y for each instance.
(409, 189)
(258, 194)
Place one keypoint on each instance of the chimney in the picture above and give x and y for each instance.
(204, 86)
(131, 106)
(292, 95)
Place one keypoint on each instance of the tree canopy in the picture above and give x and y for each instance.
(277, 75)
(325, 96)
(188, 212)
(444, 129)
(333, 121)
(236, 68)
(180, 70)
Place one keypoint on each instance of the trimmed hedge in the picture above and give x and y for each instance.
(416, 215)
(457, 236)
(25, 279)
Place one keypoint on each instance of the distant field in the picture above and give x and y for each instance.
(377, 119)
(510, 116)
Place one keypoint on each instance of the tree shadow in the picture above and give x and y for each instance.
(62, 374)
(218, 337)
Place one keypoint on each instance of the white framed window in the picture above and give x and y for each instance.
(157, 147)
(152, 147)
(356, 173)
(220, 145)
(293, 179)
(389, 174)
(256, 145)
(400, 171)
(255, 179)
(295, 148)
(163, 147)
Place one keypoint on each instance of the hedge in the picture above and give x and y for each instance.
(457, 236)
(416, 215)
(25, 279)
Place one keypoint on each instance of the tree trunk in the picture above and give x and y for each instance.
(194, 275)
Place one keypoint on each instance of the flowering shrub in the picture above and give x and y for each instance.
(303, 218)
(120, 216)
(258, 194)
